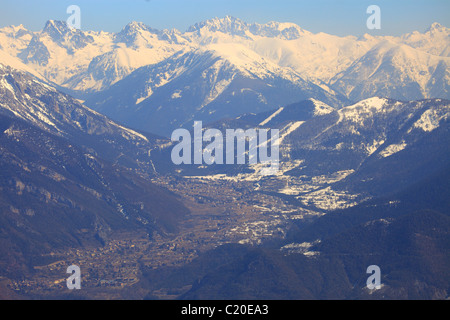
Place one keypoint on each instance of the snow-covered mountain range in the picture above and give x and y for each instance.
(318, 57)
(224, 66)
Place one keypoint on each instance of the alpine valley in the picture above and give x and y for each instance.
(225, 67)
(87, 177)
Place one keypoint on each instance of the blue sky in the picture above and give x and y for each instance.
(340, 17)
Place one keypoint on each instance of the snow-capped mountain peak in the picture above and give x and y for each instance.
(136, 26)
(235, 27)
(133, 29)
(56, 28)
(229, 25)
(374, 103)
(15, 31)
(273, 29)
(436, 27)
(139, 35)
(321, 108)
(64, 36)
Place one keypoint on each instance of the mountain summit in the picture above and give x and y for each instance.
(236, 27)
(229, 25)
(56, 29)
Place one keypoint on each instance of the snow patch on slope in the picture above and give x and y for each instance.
(430, 120)
(287, 130)
(321, 108)
(273, 115)
(358, 112)
(393, 149)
